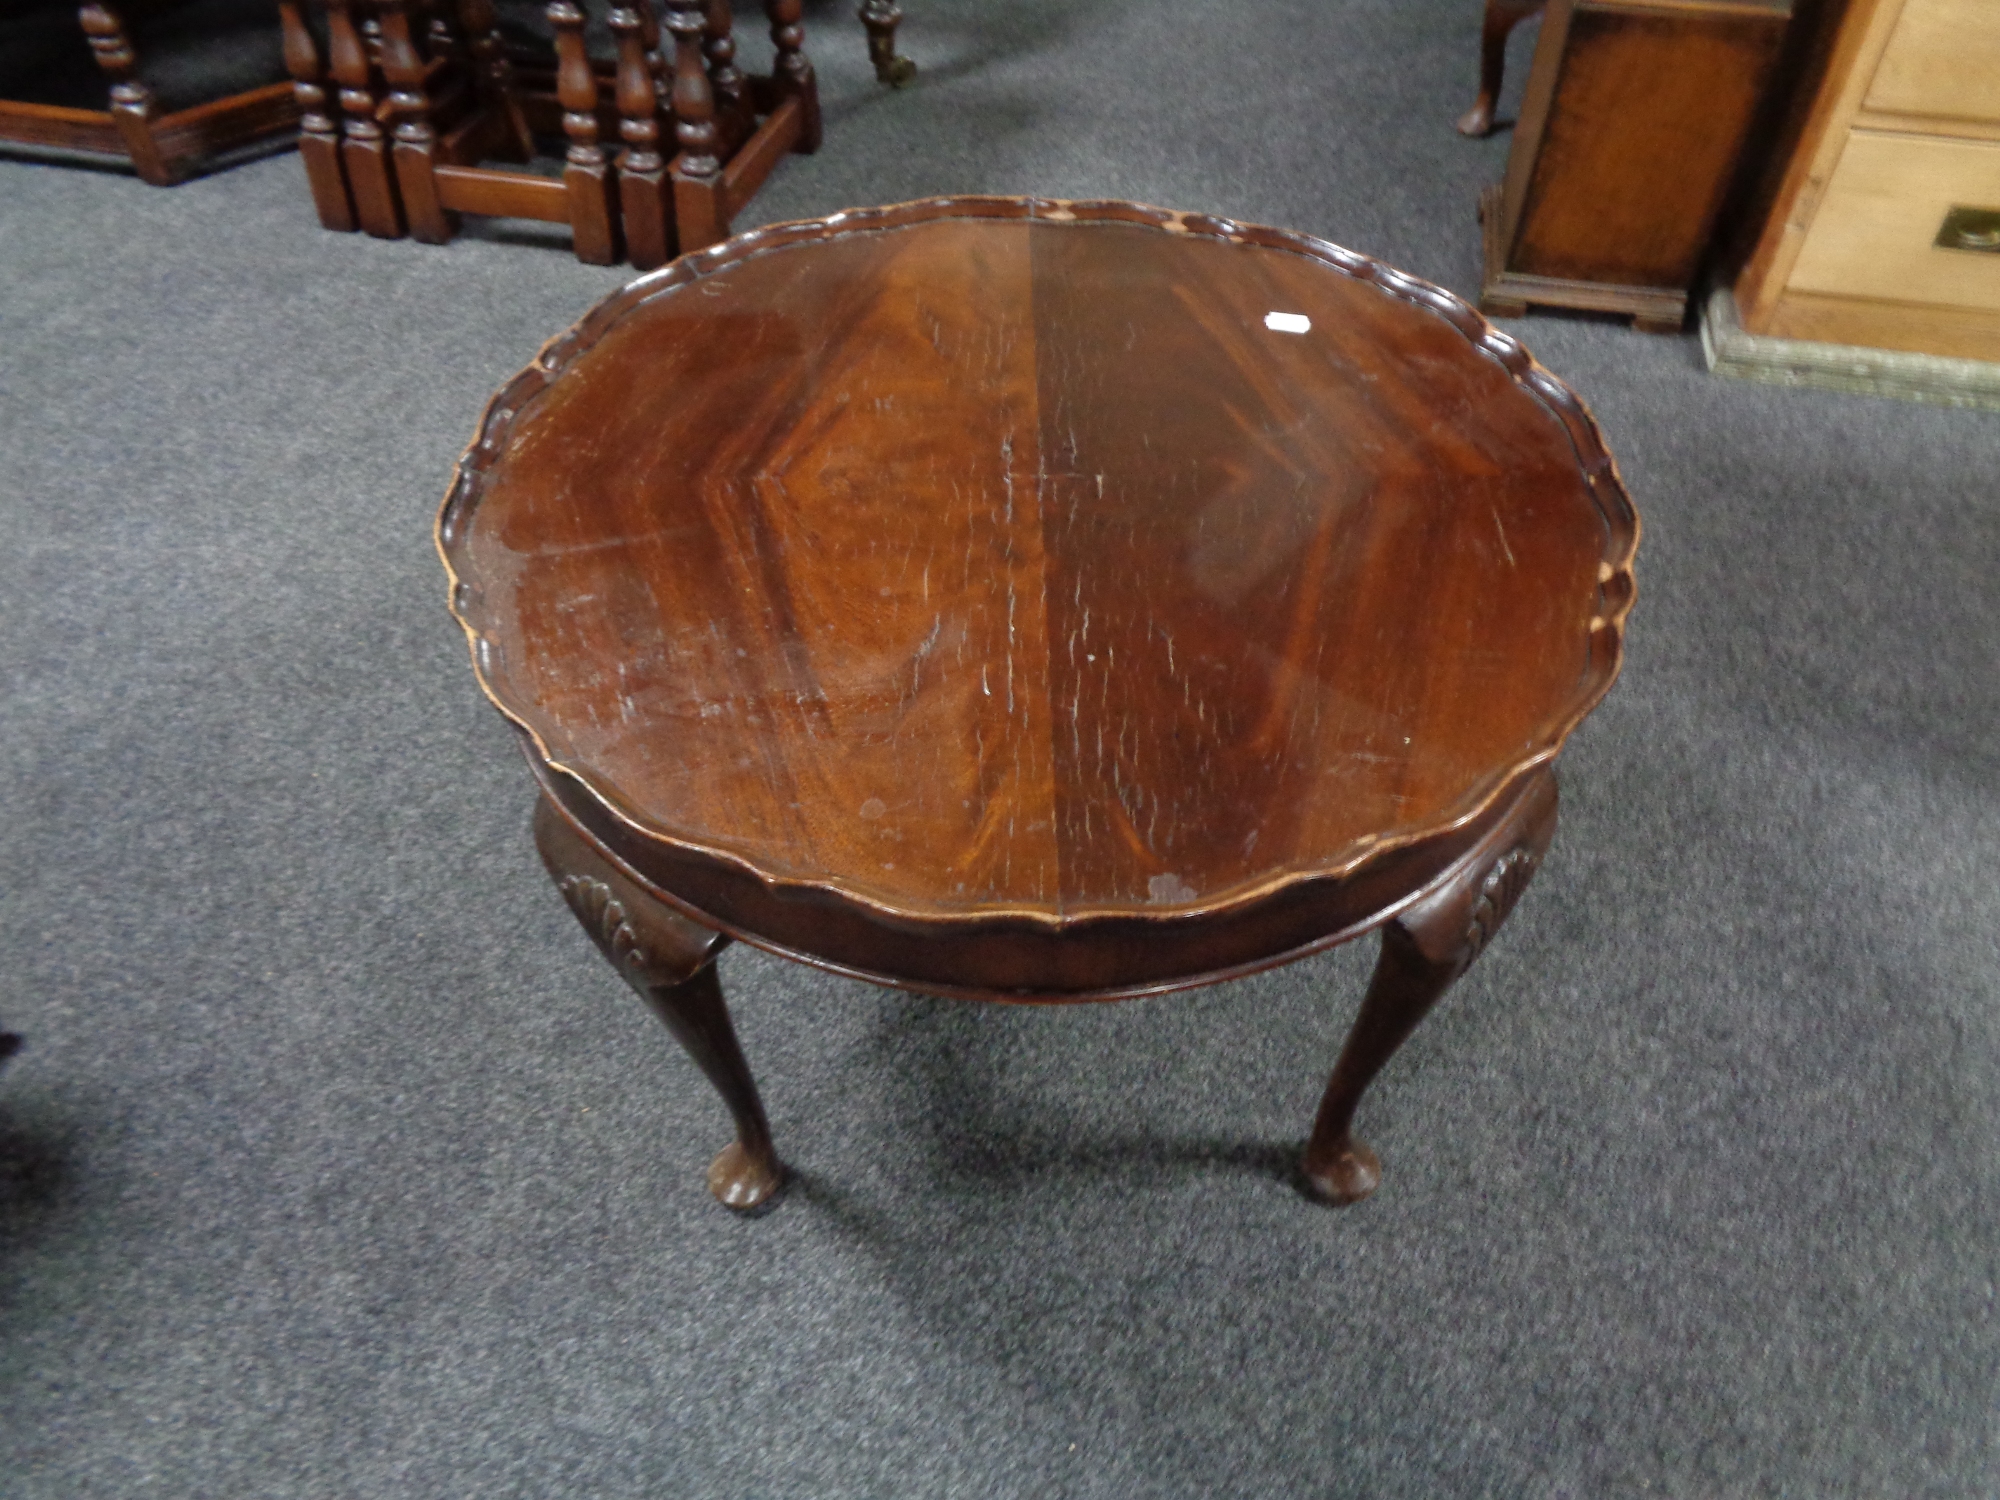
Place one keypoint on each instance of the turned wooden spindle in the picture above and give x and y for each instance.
(319, 131)
(586, 173)
(416, 137)
(701, 217)
(732, 90)
(642, 170)
(656, 61)
(792, 70)
(132, 103)
(493, 78)
(364, 150)
(882, 17)
(442, 43)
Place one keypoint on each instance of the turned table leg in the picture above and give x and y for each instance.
(792, 70)
(1425, 947)
(364, 149)
(319, 131)
(415, 153)
(670, 960)
(133, 107)
(701, 210)
(644, 205)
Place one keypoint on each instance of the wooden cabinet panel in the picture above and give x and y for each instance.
(1903, 127)
(1875, 231)
(1943, 59)
(1642, 137)
(1632, 132)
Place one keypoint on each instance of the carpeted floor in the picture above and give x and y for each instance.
(338, 1164)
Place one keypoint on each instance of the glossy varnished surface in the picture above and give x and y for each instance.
(995, 559)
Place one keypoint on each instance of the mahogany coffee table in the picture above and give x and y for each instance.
(1039, 601)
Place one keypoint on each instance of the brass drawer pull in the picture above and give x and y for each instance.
(1971, 229)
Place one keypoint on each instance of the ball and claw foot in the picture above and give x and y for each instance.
(1346, 1174)
(742, 1181)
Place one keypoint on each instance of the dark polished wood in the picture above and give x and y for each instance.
(666, 139)
(1425, 947)
(670, 961)
(1496, 25)
(882, 17)
(319, 125)
(1632, 136)
(586, 169)
(364, 146)
(416, 143)
(644, 206)
(493, 76)
(997, 597)
(164, 147)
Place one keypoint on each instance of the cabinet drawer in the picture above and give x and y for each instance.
(1943, 59)
(1874, 232)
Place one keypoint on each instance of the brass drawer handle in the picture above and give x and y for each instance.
(1971, 229)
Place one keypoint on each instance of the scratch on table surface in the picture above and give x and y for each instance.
(1503, 538)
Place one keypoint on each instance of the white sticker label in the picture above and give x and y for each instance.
(1288, 322)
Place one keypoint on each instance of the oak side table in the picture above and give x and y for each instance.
(1039, 601)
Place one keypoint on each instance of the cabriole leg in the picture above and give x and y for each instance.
(670, 960)
(1501, 17)
(1424, 949)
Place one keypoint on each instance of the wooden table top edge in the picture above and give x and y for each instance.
(1616, 586)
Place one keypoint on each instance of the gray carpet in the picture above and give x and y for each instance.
(338, 1164)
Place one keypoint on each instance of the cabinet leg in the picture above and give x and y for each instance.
(882, 17)
(669, 960)
(1502, 16)
(1424, 949)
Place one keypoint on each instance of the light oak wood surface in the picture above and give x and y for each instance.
(1875, 230)
(1943, 59)
(1857, 47)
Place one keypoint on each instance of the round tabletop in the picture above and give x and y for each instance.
(1020, 596)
